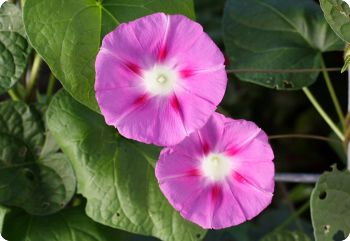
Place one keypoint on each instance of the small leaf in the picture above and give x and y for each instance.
(337, 14)
(68, 38)
(277, 35)
(68, 225)
(330, 210)
(115, 175)
(346, 64)
(347, 60)
(38, 185)
(14, 48)
(286, 236)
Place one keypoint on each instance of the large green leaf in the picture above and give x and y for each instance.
(274, 35)
(68, 225)
(39, 185)
(337, 14)
(67, 34)
(330, 209)
(286, 236)
(14, 48)
(114, 174)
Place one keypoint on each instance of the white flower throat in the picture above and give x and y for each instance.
(160, 80)
(216, 166)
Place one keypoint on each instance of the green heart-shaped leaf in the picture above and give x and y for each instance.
(330, 209)
(39, 185)
(67, 34)
(267, 38)
(14, 48)
(114, 174)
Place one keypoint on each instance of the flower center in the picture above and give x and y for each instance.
(216, 166)
(160, 80)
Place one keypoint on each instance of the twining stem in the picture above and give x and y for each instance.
(13, 95)
(297, 177)
(34, 74)
(51, 85)
(332, 93)
(281, 71)
(294, 216)
(304, 136)
(323, 114)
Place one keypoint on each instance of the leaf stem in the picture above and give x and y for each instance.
(323, 114)
(297, 177)
(332, 93)
(276, 71)
(34, 74)
(13, 95)
(304, 136)
(51, 85)
(294, 216)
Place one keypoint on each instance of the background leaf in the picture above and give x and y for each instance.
(14, 48)
(330, 210)
(39, 185)
(337, 14)
(273, 34)
(67, 34)
(114, 174)
(69, 225)
(3, 212)
(286, 236)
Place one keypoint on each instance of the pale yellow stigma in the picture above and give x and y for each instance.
(161, 79)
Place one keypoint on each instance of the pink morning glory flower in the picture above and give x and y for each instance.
(219, 176)
(159, 78)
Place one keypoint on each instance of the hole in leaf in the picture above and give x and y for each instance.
(323, 195)
(118, 214)
(339, 236)
(45, 205)
(198, 235)
(326, 228)
(29, 174)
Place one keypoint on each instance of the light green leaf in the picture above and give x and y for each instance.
(68, 225)
(67, 34)
(346, 64)
(330, 210)
(14, 48)
(114, 174)
(277, 35)
(286, 236)
(346, 59)
(337, 14)
(38, 185)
